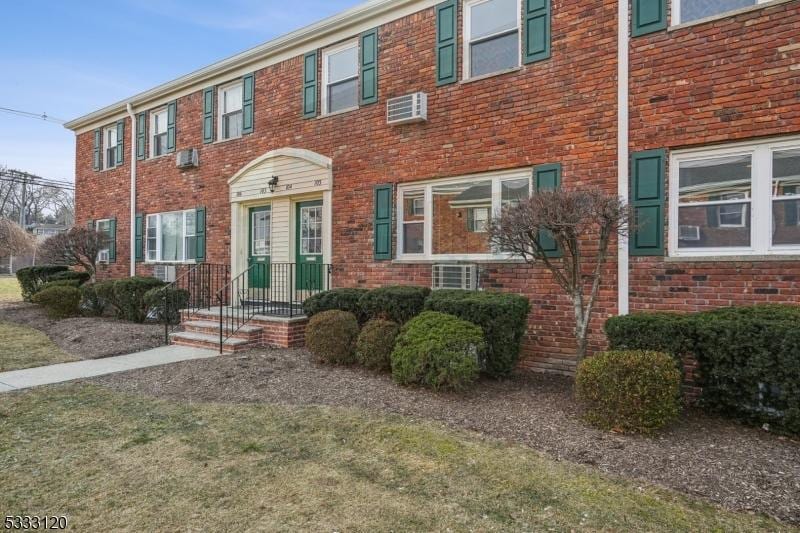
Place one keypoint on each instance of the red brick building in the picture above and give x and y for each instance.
(302, 154)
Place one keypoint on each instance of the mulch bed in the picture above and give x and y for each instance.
(739, 467)
(86, 337)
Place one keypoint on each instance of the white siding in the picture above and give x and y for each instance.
(295, 177)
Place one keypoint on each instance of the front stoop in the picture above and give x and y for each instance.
(202, 328)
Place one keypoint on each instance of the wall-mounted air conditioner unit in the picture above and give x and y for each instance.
(187, 158)
(689, 233)
(102, 256)
(165, 273)
(456, 276)
(407, 109)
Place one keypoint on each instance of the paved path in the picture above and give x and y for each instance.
(45, 375)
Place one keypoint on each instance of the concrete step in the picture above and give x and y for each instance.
(246, 332)
(204, 340)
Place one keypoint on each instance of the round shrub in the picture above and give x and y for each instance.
(59, 301)
(32, 278)
(375, 344)
(438, 351)
(631, 391)
(129, 296)
(336, 299)
(399, 303)
(105, 293)
(331, 337)
(167, 303)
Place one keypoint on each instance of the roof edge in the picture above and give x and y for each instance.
(297, 38)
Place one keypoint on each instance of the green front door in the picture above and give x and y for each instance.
(259, 249)
(309, 246)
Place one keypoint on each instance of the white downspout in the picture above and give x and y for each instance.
(623, 258)
(133, 189)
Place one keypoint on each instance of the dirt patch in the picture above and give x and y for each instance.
(86, 337)
(741, 468)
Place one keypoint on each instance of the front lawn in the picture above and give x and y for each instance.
(107, 459)
(23, 347)
(9, 289)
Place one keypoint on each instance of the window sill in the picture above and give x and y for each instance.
(340, 112)
(490, 75)
(156, 157)
(156, 263)
(711, 258)
(109, 169)
(428, 261)
(726, 14)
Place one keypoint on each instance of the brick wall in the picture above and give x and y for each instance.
(732, 79)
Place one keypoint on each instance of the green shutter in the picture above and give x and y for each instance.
(536, 30)
(446, 42)
(200, 233)
(139, 238)
(120, 142)
(369, 67)
(547, 177)
(648, 16)
(97, 161)
(141, 136)
(647, 202)
(248, 97)
(208, 115)
(310, 85)
(172, 111)
(382, 222)
(112, 240)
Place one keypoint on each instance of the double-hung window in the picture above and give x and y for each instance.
(158, 129)
(691, 10)
(171, 237)
(491, 36)
(110, 146)
(455, 214)
(230, 108)
(736, 200)
(103, 227)
(340, 78)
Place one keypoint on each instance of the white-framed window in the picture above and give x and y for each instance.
(311, 230)
(690, 10)
(158, 132)
(340, 78)
(171, 237)
(455, 214)
(110, 146)
(737, 199)
(103, 227)
(491, 36)
(230, 98)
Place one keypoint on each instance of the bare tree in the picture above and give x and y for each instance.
(582, 225)
(77, 247)
(14, 240)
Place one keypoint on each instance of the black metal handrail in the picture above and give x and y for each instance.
(191, 291)
(272, 289)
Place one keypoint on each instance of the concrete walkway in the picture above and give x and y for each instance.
(46, 375)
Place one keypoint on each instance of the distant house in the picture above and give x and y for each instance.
(43, 231)
(10, 264)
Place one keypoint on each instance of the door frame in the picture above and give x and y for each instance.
(296, 236)
(250, 212)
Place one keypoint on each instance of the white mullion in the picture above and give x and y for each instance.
(428, 223)
(761, 193)
(401, 228)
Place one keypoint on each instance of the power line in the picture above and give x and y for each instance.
(25, 178)
(38, 184)
(27, 114)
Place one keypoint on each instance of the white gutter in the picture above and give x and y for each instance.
(623, 259)
(132, 226)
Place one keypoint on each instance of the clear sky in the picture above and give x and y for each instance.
(70, 57)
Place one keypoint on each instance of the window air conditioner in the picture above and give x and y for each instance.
(455, 277)
(407, 109)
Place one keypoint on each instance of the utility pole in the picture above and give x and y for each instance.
(23, 202)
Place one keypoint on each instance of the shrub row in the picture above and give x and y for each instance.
(502, 316)
(59, 301)
(126, 296)
(31, 279)
(748, 357)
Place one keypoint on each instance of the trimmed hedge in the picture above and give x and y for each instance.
(331, 337)
(71, 275)
(502, 316)
(338, 300)
(104, 290)
(748, 357)
(398, 303)
(129, 296)
(61, 283)
(439, 351)
(632, 391)
(167, 303)
(59, 301)
(375, 344)
(32, 278)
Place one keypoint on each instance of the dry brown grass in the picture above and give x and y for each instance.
(9, 289)
(23, 347)
(110, 460)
